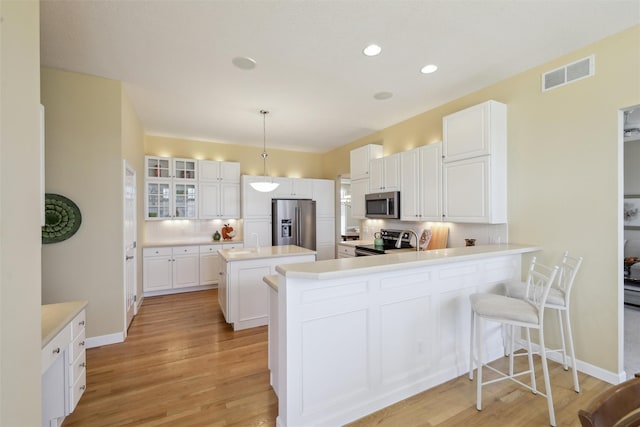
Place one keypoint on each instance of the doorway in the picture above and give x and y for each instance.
(630, 316)
(130, 244)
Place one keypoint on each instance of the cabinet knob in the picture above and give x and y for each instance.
(56, 350)
(81, 323)
(83, 365)
(81, 344)
(83, 387)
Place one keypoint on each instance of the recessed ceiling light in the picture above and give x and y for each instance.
(428, 69)
(244, 62)
(381, 96)
(372, 50)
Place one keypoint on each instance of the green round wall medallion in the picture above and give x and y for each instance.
(62, 218)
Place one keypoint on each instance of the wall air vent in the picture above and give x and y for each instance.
(569, 73)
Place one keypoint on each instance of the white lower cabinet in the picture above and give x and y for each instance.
(346, 251)
(173, 269)
(64, 377)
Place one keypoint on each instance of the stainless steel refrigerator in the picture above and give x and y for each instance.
(293, 222)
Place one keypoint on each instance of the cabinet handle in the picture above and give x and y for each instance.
(81, 323)
(83, 387)
(56, 350)
(81, 344)
(83, 365)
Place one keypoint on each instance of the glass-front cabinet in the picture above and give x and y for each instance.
(170, 188)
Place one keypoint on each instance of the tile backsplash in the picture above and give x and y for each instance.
(484, 234)
(185, 231)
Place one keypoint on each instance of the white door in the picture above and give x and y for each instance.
(130, 231)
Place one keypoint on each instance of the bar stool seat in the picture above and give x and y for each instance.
(528, 313)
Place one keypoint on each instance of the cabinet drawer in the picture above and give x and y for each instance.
(346, 250)
(232, 245)
(77, 346)
(78, 324)
(186, 250)
(79, 365)
(150, 252)
(75, 391)
(210, 249)
(55, 348)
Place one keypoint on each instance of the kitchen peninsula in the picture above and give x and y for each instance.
(355, 335)
(243, 297)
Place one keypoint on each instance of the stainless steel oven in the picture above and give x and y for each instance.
(389, 242)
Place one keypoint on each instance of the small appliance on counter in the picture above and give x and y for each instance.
(389, 239)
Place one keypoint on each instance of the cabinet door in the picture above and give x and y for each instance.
(230, 172)
(158, 200)
(430, 182)
(209, 268)
(157, 273)
(376, 175)
(208, 171)
(466, 195)
(186, 267)
(410, 199)
(223, 290)
(326, 240)
(185, 201)
(158, 167)
(359, 160)
(209, 200)
(325, 197)
(391, 172)
(359, 188)
(230, 200)
(255, 204)
(185, 169)
(475, 131)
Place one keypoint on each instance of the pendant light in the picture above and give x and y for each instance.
(267, 185)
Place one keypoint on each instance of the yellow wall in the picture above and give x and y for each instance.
(84, 163)
(293, 164)
(563, 174)
(20, 202)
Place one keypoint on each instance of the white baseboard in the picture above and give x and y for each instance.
(584, 367)
(104, 340)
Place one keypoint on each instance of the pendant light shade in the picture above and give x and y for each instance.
(267, 185)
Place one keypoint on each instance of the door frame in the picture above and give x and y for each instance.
(129, 171)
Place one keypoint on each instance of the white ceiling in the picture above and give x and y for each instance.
(174, 58)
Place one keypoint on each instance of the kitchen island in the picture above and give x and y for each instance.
(355, 335)
(243, 297)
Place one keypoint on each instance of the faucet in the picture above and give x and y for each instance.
(257, 241)
(408, 230)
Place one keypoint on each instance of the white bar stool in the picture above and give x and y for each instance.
(526, 313)
(559, 299)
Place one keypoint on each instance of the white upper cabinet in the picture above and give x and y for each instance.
(185, 169)
(420, 189)
(360, 158)
(168, 197)
(293, 188)
(325, 197)
(219, 189)
(384, 173)
(474, 169)
(255, 204)
(214, 171)
(475, 131)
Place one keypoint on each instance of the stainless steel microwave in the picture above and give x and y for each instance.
(382, 205)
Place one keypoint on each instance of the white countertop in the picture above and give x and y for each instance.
(244, 254)
(356, 242)
(57, 316)
(344, 267)
(190, 242)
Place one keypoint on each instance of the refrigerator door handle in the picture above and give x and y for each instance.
(297, 216)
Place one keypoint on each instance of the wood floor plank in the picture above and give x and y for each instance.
(182, 365)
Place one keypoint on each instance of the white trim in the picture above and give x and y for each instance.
(179, 290)
(101, 340)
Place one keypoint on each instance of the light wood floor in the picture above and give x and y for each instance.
(182, 365)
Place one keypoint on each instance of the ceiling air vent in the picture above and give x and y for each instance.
(577, 70)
